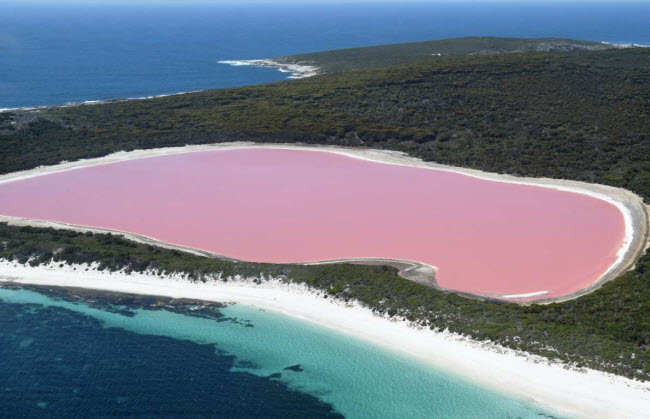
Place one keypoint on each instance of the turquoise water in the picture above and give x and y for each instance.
(355, 378)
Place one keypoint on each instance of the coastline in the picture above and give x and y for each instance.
(93, 102)
(630, 205)
(569, 391)
(298, 71)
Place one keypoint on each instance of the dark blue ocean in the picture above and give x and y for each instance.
(98, 357)
(55, 54)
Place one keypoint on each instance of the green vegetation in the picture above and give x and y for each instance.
(576, 115)
(5, 122)
(608, 329)
(581, 115)
(427, 52)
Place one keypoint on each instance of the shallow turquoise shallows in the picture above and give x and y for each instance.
(357, 379)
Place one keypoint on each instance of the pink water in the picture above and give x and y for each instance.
(271, 205)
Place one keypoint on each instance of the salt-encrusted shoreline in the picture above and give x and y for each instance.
(567, 391)
(298, 71)
(630, 205)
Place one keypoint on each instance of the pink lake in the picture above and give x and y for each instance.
(274, 205)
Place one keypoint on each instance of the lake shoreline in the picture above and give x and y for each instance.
(630, 205)
(567, 390)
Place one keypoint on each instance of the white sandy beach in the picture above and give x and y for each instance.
(584, 393)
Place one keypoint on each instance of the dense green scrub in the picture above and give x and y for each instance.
(608, 329)
(433, 51)
(577, 115)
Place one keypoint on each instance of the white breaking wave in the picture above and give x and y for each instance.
(625, 45)
(92, 102)
(298, 71)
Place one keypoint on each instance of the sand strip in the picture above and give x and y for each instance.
(577, 393)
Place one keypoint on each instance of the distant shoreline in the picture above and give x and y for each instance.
(93, 102)
(298, 71)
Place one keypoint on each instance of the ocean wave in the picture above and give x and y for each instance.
(298, 71)
(625, 45)
(92, 102)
